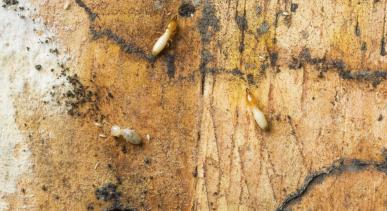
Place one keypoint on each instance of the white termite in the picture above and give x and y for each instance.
(129, 135)
(258, 115)
(163, 41)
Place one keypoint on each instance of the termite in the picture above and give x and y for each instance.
(164, 40)
(258, 115)
(129, 135)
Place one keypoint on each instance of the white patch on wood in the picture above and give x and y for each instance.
(17, 69)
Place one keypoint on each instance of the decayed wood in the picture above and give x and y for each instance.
(318, 69)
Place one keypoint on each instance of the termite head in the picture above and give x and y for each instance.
(172, 25)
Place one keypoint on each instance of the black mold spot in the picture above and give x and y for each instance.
(207, 21)
(186, 10)
(380, 118)
(107, 192)
(363, 46)
(357, 29)
(273, 58)
(89, 12)
(241, 22)
(147, 161)
(250, 79)
(171, 69)
(120, 208)
(54, 51)
(80, 98)
(293, 7)
(237, 72)
(38, 67)
(263, 28)
(9, 3)
(262, 68)
(208, 25)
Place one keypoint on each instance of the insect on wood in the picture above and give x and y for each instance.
(129, 135)
(258, 115)
(166, 38)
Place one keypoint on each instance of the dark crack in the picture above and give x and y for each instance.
(337, 168)
(126, 46)
(92, 15)
(324, 64)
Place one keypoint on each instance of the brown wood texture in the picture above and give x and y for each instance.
(318, 69)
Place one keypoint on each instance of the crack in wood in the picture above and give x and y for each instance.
(127, 47)
(92, 15)
(323, 65)
(336, 168)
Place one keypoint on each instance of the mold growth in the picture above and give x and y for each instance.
(26, 62)
(208, 25)
(8, 3)
(293, 7)
(80, 100)
(109, 193)
(208, 21)
(186, 10)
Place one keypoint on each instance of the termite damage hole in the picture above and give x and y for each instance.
(186, 10)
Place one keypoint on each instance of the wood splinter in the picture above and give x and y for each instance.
(258, 115)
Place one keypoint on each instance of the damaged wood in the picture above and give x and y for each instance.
(337, 168)
(310, 65)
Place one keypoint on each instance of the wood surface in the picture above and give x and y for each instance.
(317, 67)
